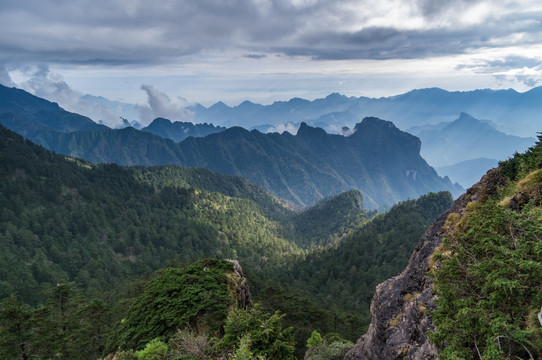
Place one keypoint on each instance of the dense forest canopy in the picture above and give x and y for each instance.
(91, 235)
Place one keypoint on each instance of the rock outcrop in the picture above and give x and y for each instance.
(400, 310)
(240, 286)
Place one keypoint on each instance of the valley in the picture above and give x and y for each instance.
(116, 238)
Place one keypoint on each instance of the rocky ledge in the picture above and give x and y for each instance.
(400, 310)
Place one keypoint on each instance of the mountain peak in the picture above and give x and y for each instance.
(467, 121)
(372, 121)
(161, 121)
(335, 96)
(306, 130)
(219, 106)
(466, 117)
(247, 104)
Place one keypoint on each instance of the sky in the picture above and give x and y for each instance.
(165, 54)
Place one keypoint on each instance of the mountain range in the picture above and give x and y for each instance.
(464, 149)
(69, 228)
(512, 112)
(470, 290)
(180, 130)
(379, 160)
(450, 143)
(467, 138)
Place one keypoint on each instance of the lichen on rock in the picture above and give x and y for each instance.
(400, 309)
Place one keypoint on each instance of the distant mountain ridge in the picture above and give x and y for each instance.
(178, 130)
(464, 149)
(379, 160)
(29, 115)
(467, 138)
(513, 112)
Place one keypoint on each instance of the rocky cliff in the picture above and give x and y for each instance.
(238, 285)
(400, 307)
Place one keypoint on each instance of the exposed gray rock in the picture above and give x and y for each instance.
(244, 299)
(400, 308)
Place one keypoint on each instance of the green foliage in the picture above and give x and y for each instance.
(243, 352)
(343, 278)
(233, 186)
(154, 350)
(330, 218)
(196, 296)
(15, 330)
(521, 164)
(489, 276)
(267, 336)
(67, 220)
(315, 339)
(330, 351)
(304, 315)
(66, 327)
(489, 285)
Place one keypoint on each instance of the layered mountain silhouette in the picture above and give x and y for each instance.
(512, 112)
(32, 116)
(464, 149)
(379, 160)
(180, 130)
(467, 138)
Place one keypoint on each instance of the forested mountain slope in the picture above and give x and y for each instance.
(472, 288)
(379, 160)
(100, 227)
(374, 252)
(66, 220)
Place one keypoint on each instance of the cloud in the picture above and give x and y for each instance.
(42, 83)
(255, 56)
(160, 105)
(507, 63)
(280, 128)
(120, 32)
(514, 68)
(5, 78)
(529, 81)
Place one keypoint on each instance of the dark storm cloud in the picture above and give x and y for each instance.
(387, 43)
(138, 32)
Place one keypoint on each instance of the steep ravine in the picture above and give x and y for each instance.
(400, 307)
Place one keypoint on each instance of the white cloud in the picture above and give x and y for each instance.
(280, 128)
(238, 49)
(160, 105)
(45, 84)
(5, 79)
